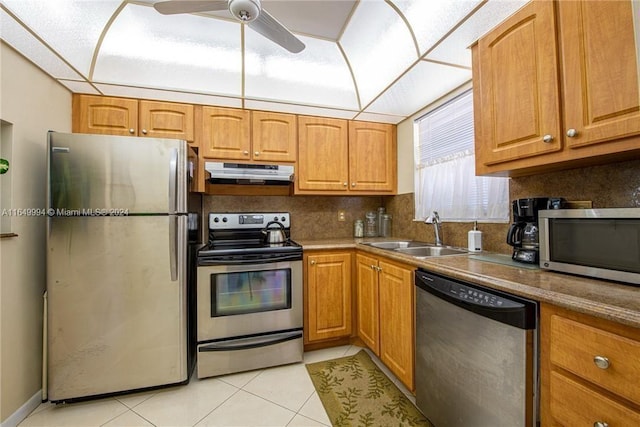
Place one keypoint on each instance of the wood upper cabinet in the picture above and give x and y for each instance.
(166, 120)
(517, 88)
(105, 115)
(339, 156)
(385, 313)
(226, 133)
(132, 117)
(274, 137)
(589, 370)
(250, 136)
(327, 293)
(526, 121)
(367, 303)
(323, 155)
(599, 60)
(372, 157)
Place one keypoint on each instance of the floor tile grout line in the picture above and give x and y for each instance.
(307, 401)
(275, 403)
(124, 412)
(219, 405)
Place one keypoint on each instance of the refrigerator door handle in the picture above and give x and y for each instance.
(173, 246)
(173, 182)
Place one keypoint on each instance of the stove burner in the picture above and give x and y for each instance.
(238, 237)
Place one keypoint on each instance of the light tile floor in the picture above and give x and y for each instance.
(280, 396)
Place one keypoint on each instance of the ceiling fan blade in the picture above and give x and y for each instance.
(189, 6)
(270, 28)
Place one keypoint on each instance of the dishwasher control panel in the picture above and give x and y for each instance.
(478, 297)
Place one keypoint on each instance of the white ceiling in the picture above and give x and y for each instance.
(368, 59)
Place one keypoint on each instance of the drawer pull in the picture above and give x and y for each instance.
(600, 424)
(602, 363)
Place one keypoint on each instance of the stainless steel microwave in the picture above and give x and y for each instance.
(600, 243)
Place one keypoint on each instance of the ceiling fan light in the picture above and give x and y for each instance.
(245, 10)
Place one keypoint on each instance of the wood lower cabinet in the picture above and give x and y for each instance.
(131, 117)
(367, 301)
(589, 370)
(557, 85)
(386, 313)
(327, 295)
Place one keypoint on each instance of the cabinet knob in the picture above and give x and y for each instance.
(132, 131)
(600, 424)
(353, 184)
(601, 362)
(144, 131)
(245, 152)
(345, 184)
(257, 153)
(312, 262)
(547, 138)
(572, 133)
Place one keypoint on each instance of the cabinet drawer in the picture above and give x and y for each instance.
(572, 404)
(575, 345)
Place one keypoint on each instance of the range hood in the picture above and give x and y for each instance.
(249, 174)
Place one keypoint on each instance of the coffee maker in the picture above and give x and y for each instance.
(523, 233)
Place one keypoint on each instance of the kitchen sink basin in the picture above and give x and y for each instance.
(397, 244)
(430, 251)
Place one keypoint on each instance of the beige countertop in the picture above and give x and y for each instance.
(608, 300)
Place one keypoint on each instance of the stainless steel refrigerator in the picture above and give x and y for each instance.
(116, 264)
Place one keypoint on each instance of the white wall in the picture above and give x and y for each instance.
(405, 142)
(34, 103)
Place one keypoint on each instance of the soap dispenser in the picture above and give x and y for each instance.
(475, 239)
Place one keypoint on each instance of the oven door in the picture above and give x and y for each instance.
(240, 300)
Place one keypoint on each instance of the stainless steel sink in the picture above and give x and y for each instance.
(430, 251)
(397, 244)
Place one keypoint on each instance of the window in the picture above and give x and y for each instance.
(445, 179)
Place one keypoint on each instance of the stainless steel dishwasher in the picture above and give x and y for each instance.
(476, 354)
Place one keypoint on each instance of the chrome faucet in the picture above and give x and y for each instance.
(435, 220)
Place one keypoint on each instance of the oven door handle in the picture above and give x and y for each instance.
(247, 261)
(252, 342)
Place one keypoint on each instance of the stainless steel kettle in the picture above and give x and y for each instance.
(274, 235)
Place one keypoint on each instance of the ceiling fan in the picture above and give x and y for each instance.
(248, 12)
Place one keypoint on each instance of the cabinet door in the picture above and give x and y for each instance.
(397, 321)
(226, 133)
(372, 157)
(517, 82)
(166, 120)
(323, 155)
(328, 296)
(105, 115)
(600, 64)
(274, 137)
(367, 302)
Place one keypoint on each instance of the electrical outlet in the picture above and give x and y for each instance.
(341, 216)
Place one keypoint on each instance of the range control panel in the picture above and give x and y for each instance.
(223, 221)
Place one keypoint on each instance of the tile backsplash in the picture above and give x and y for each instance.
(316, 217)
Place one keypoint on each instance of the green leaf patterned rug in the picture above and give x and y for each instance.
(355, 392)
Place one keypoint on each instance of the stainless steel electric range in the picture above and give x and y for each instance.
(249, 295)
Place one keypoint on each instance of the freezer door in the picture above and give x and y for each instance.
(88, 173)
(116, 319)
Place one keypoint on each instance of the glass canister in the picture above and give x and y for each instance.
(381, 212)
(385, 229)
(371, 224)
(358, 228)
